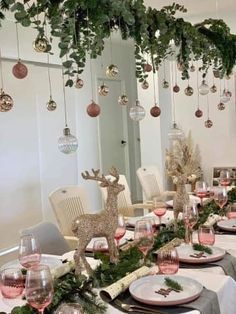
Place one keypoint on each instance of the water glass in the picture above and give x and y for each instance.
(206, 235)
(121, 229)
(168, 261)
(29, 251)
(231, 211)
(11, 283)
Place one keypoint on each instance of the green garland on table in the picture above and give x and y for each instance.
(232, 196)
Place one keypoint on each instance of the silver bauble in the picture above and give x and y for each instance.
(145, 85)
(123, 100)
(137, 112)
(221, 106)
(51, 105)
(188, 91)
(224, 97)
(213, 88)
(103, 90)
(203, 88)
(208, 123)
(165, 84)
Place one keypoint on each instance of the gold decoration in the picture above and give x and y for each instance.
(79, 83)
(123, 100)
(145, 85)
(41, 44)
(213, 88)
(176, 88)
(165, 84)
(104, 224)
(6, 102)
(103, 90)
(208, 123)
(188, 91)
(192, 68)
(221, 106)
(112, 71)
(51, 104)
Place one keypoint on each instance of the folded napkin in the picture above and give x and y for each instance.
(63, 269)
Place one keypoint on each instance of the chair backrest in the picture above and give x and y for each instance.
(151, 181)
(68, 203)
(49, 237)
(124, 197)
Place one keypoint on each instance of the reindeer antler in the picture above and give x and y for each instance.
(95, 176)
(113, 172)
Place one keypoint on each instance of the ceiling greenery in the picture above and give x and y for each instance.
(83, 25)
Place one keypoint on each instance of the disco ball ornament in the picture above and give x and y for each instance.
(41, 44)
(198, 113)
(180, 66)
(192, 68)
(176, 88)
(93, 109)
(224, 97)
(20, 70)
(103, 90)
(112, 71)
(123, 100)
(221, 106)
(145, 85)
(79, 83)
(137, 112)
(6, 102)
(51, 104)
(188, 91)
(203, 88)
(155, 111)
(213, 88)
(67, 143)
(165, 84)
(147, 67)
(216, 73)
(208, 123)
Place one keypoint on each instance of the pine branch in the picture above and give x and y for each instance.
(202, 248)
(173, 284)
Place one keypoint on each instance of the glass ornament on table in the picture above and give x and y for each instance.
(121, 229)
(220, 196)
(11, 283)
(201, 190)
(190, 217)
(168, 261)
(206, 235)
(29, 251)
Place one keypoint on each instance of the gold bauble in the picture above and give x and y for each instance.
(112, 71)
(165, 84)
(221, 106)
(41, 44)
(123, 100)
(213, 88)
(188, 91)
(6, 102)
(208, 123)
(79, 83)
(145, 85)
(51, 105)
(103, 90)
(192, 68)
(180, 66)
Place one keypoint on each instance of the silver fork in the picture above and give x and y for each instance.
(136, 308)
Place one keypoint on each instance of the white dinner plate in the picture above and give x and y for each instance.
(49, 260)
(229, 225)
(89, 247)
(185, 250)
(143, 290)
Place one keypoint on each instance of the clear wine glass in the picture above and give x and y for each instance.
(225, 178)
(206, 235)
(29, 251)
(143, 236)
(220, 196)
(158, 210)
(11, 283)
(121, 229)
(201, 190)
(168, 261)
(39, 287)
(190, 216)
(152, 221)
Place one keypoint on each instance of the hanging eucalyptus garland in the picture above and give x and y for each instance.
(152, 31)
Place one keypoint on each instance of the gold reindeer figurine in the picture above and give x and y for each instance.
(103, 224)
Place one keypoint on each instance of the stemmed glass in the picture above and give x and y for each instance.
(11, 283)
(29, 251)
(231, 211)
(158, 210)
(39, 287)
(168, 261)
(225, 178)
(220, 196)
(190, 216)
(201, 190)
(120, 231)
(143, 236)
(206, 235)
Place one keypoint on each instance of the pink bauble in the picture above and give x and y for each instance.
(93, 109)
(19, 70)
(155, 111)
(147, 67)
(198, 113)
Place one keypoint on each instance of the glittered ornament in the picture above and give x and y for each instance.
(103, 90)
(228, 93)
(79, 83)
(176, 88)
(221, 106)
(227, 77)
(19, 70)
(165, 84)
(188, 91)
(123, 100)
(192, 68)
(208, 123)
(213, 88)
(198, 113)
(93, 109)
(216, 73)
(6, 102)
(180, 66)
(41, 44)
(51, 104)
(155, 111)
(224, 97)
(203, 88)
(137, 112)
(112, 71)
(145, 85)
(147, 67)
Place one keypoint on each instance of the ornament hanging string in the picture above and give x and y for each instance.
(111, 52)
(64, 96)
(90, 60)
(198, 98)
(154, 88)
(17, 42)
(173, 94)
(208, 110)
(49, 77)
(1, 69)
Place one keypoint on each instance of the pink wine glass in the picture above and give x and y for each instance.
(231, 211)
(168, 261)
(225, 178)
(11, 283)
(206, 235)
(39, 287)
(158, 210)
(120, 231)
(201, 190)
(29, 252)
(143, 237)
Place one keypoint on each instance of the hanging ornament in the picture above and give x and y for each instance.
(41, 44)
(224, 97)
(93, 109)
(213, 88)
(176, 88)
(67, 143)
(19, 70)
(103, 90)
(79, 83)
(155, 111)
(198, 113)
(216, 73)
(221, 106)
(228, 93)
(51, 104)
(175, 133)
(208, 123)
(192, 68)
(180, 66)
(147, 67)
(188, 91)
(227, 77)
(123, 100)
(6, 102)
(112, 71)
(165, 84)
(145, 85)
(203, 88)
(137, 112)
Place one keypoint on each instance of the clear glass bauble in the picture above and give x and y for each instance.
(213, 89)
(112, 71)
(203, 88)
(123, 100)
(51, 105)
(208, 123)
(67, 143)
(20, 70)
(188, 91)
(103, 90)
(137, 112)
(221, 106)
(6, 102)
(175, 133)
(224, 97)
(79, 83)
